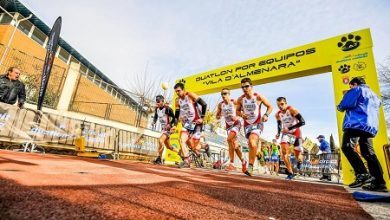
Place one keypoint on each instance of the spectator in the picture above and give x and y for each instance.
(361, 106)
(325, 156)
(11, 89)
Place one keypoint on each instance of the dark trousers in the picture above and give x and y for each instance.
(326, 166)
(367, 151)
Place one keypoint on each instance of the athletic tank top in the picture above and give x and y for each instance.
(188, 110)
(275, 149)
(251, 109)
(228, 112)
(265, 152)
(289, 120)
(162, 116)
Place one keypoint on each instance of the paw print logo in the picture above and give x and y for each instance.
(349, 42)
(360, 66)
(344, 68)
(182, 81)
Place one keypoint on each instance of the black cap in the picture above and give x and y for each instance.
(321, 136)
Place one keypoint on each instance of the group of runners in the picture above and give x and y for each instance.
(190, 110)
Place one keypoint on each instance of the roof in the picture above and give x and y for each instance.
(17, 6)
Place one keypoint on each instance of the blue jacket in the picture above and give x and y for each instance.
(361, 106)
(324, 146)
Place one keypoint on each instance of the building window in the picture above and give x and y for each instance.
(83, 69)
(38, 36)
(63, 55)
(6, 19)
(25, 27)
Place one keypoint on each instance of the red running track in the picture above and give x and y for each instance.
(64, 187)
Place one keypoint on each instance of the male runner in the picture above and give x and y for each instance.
(249, 108)
(275, 152)
(164, 114)
(289, 123)
(226, 109)
(267, 159)
(191, 117)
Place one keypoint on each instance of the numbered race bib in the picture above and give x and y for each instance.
(189, 126)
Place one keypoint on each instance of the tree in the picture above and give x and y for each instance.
(384, 80)
(332, 144)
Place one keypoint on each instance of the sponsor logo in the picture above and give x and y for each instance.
(349, 42)
(359, 66)
(344, 68)
(346, 80)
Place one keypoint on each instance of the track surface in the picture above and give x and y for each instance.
(63, 187)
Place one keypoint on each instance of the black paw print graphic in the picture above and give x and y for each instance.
(350, 42)
(182, 81)
(344, 68)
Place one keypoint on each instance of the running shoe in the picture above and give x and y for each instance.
(185, 164)
(158, 161)
(375, 187)
(244, 166)
(249, 171)
(290, 176)
(230, 167)
(360, 180)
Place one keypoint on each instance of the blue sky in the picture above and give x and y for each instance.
(179, 38)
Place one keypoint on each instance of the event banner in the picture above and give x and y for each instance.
(51, 50)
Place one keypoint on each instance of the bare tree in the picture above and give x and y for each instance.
(384, 79)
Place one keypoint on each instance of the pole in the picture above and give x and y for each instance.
(12, 35)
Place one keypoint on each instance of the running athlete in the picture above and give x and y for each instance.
(266, 156)
(275, 152)
(249, 108)
(191, 117)
(164, 114)
(289, 123)
(227, 110)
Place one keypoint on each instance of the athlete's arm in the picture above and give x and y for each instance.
(298, 116)
(199, 101)
(171, 115)
(177, 111)
(267, 104)
(219, 110)
(279, 121)
(155, 116)
(239, 108)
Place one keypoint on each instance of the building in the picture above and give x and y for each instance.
(75, 84)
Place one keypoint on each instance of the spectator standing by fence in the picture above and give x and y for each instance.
(325, 157)
(11, 89)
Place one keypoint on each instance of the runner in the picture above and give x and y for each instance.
(191, 117)
(249, 108)
(267, 158)
(164, 114)
(275, 154)
(226, 109)
(289, 123)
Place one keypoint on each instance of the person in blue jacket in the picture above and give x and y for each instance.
(361, 107)
(325, 155)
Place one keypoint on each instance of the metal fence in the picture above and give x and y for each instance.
(31, 71)
(18, 126)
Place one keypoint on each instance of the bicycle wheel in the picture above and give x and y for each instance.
(15, 147)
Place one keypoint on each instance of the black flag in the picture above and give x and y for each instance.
(51, 49)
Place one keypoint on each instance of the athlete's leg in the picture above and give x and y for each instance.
(184, 139)
(161, 141)
(286, 156)
(231, 139)
(168, 145)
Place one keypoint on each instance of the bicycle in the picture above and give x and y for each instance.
(26, 147)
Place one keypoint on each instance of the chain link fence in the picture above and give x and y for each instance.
(31, 72)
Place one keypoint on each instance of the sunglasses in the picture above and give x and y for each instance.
(224, 93)
(245, 87)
